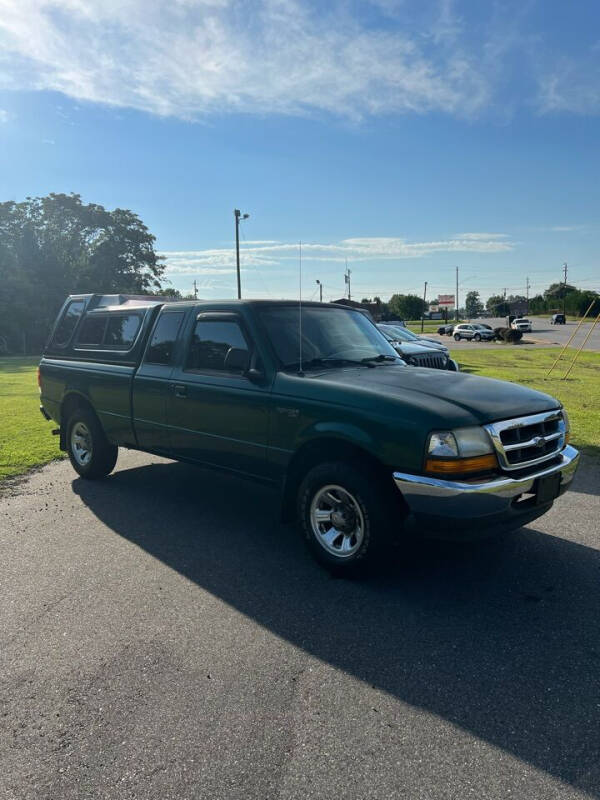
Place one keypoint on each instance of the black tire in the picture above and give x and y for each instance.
(477, 337)
(457, 337)
(83, 427)
(376, 515)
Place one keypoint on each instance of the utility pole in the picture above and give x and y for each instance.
(423, 312)
(237, 214)
(195, 290)
(504, 302)
(347, 279)
(565, 268)
(456, 298)
(320, 285)
(527, 287)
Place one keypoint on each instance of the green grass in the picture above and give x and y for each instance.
(26, 441)
(429, 325)
(25, 436)
(579, 393)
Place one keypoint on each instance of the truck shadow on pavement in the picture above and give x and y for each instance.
(500, 638)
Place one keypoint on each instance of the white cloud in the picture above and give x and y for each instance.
(193, 57)
(222, 260)
(475, 237)
(4, 116)
(572, 84)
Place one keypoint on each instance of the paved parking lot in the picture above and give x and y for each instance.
(543, 334)
(164, 636)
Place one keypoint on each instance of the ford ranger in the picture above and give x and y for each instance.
(312, 399)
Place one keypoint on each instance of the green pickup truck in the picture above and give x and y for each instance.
(312, 399)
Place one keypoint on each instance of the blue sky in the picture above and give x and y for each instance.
(406, 137)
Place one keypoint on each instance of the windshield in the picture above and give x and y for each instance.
(399, 334)
(327, 333)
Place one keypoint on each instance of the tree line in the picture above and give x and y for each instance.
(57, 245)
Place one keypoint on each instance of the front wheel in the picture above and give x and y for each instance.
(477, 337)
(90, 452)
(345, 516)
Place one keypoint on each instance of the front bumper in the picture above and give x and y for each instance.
(466, 510)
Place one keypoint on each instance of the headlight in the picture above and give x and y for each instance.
(462, 451)
(443, 444)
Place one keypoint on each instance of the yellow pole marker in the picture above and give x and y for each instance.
(559, 356)
(589, 333)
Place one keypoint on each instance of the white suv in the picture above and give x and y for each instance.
(521, 325)
(473, 331)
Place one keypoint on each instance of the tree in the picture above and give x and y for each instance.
(406, 306)
(556, 291)
(497, 305)
(365, 300)
(54, 246)
(171, 293)
(473, 305)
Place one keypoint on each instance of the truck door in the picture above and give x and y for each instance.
(216, 414)
(151, 384)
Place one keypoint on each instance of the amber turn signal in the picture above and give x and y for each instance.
(460, 466)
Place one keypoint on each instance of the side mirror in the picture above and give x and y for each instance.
(237, 360)
(255, 375)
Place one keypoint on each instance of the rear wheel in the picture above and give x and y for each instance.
(345, 516)
(457, 337)
(90, 452)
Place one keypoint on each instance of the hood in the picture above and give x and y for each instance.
(437, 398)
(410, 349)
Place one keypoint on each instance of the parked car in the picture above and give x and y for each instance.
(558, 319)
(473, 331)
(362, 449)
(406, 335)
(521, 324)
(446, 330)
(417, 353)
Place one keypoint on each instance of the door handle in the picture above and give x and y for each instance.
(180, 390)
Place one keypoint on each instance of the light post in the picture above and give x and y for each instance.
(320, 285)
(237, 214)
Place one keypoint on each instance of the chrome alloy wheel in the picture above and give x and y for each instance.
(337, 521)
(81, 443)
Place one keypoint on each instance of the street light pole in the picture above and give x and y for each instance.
(423, 312)
(320, 291)
(237, 214)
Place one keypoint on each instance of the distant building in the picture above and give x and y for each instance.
(517, 307)
(375, 310)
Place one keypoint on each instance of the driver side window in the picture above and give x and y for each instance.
(211, 342)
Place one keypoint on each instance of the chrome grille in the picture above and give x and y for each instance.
(432, 360)
(525, 441)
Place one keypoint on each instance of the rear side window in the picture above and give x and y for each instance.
(162, 343)
(92, 330)
(66, 326)
(121, 331)
(211, 342)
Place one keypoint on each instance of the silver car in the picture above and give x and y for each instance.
(473, 331)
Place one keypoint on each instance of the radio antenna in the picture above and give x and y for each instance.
(300, 372)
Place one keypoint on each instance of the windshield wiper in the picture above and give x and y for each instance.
(381, 357)
(324, 362)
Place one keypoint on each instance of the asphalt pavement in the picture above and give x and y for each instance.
(543, 334)
(164, 636)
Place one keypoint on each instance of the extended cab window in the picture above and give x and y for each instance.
(121, 331)
(66, 326)
(92, 330)
(211, 342)
(162, 343)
